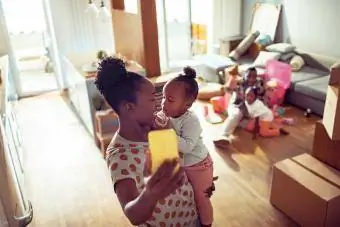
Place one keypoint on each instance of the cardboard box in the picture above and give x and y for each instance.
(335, 74)
(319, 168)
(331, 116)
(307, 198)
(325, 149)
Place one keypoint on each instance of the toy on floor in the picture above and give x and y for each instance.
(211, 117)
(278, 76)
(220, 103)
(308, 113)
(278, 111)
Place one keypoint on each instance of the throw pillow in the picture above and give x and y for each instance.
(281, 47)
(264, 56)
(287, 56)
(297, 63)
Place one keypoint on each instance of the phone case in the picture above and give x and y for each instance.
(163, 146)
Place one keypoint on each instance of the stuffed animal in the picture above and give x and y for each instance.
(233, 78)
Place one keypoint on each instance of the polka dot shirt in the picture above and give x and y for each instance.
(126, 159)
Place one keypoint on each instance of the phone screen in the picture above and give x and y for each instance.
(163, 146)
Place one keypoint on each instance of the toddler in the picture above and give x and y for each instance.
(178, 96)
(263, 115)
(236, 108)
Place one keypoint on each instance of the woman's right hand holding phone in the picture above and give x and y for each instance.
(163, 182)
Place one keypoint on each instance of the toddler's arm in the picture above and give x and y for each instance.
(191, 131)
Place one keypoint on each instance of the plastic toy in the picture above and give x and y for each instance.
(218, 104)
(308, 112)
(288, 121)
(280, 72)
(278, 111)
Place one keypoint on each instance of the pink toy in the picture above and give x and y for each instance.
(280, 72)
(288, 121)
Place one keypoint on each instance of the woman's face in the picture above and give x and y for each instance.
(145, 103)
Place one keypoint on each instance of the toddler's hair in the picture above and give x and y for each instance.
(115, 83)
(188, 77)
(251, 69)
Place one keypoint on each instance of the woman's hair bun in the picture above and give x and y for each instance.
(114, 66)
(189, 72)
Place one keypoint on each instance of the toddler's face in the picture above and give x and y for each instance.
(174, 101)
(250, 97)
(252, 78)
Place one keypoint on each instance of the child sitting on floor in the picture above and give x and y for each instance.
(237, 109)
(178, 96)
(265, 117)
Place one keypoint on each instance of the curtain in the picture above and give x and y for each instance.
(226, 19)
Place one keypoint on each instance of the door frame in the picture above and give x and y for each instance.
(55, 57)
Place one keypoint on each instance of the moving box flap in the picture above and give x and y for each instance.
(319, 168)
(307, 179)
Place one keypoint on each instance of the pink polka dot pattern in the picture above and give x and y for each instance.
(126, 160)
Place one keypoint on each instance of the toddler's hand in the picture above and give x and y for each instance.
(161, 121)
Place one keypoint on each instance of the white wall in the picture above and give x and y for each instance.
(226, 19)
(311, 25)
(78, 31)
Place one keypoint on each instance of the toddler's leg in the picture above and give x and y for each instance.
(201, 178)
(234, 117)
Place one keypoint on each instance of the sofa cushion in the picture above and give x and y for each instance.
(307, 73)
(315, 88)
(265, 56)
(281, 47)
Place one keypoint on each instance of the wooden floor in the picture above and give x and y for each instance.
(69, 185)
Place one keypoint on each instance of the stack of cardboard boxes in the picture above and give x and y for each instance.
(307, 187)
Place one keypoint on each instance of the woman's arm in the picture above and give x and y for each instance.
(137, 207)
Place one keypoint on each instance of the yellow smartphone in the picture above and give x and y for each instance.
(163, 145)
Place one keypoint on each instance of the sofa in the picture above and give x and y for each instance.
(309, 84)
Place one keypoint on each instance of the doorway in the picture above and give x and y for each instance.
(182, 31)
(31, 44)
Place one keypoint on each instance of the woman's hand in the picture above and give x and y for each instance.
(163, 182)
(147, 165)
